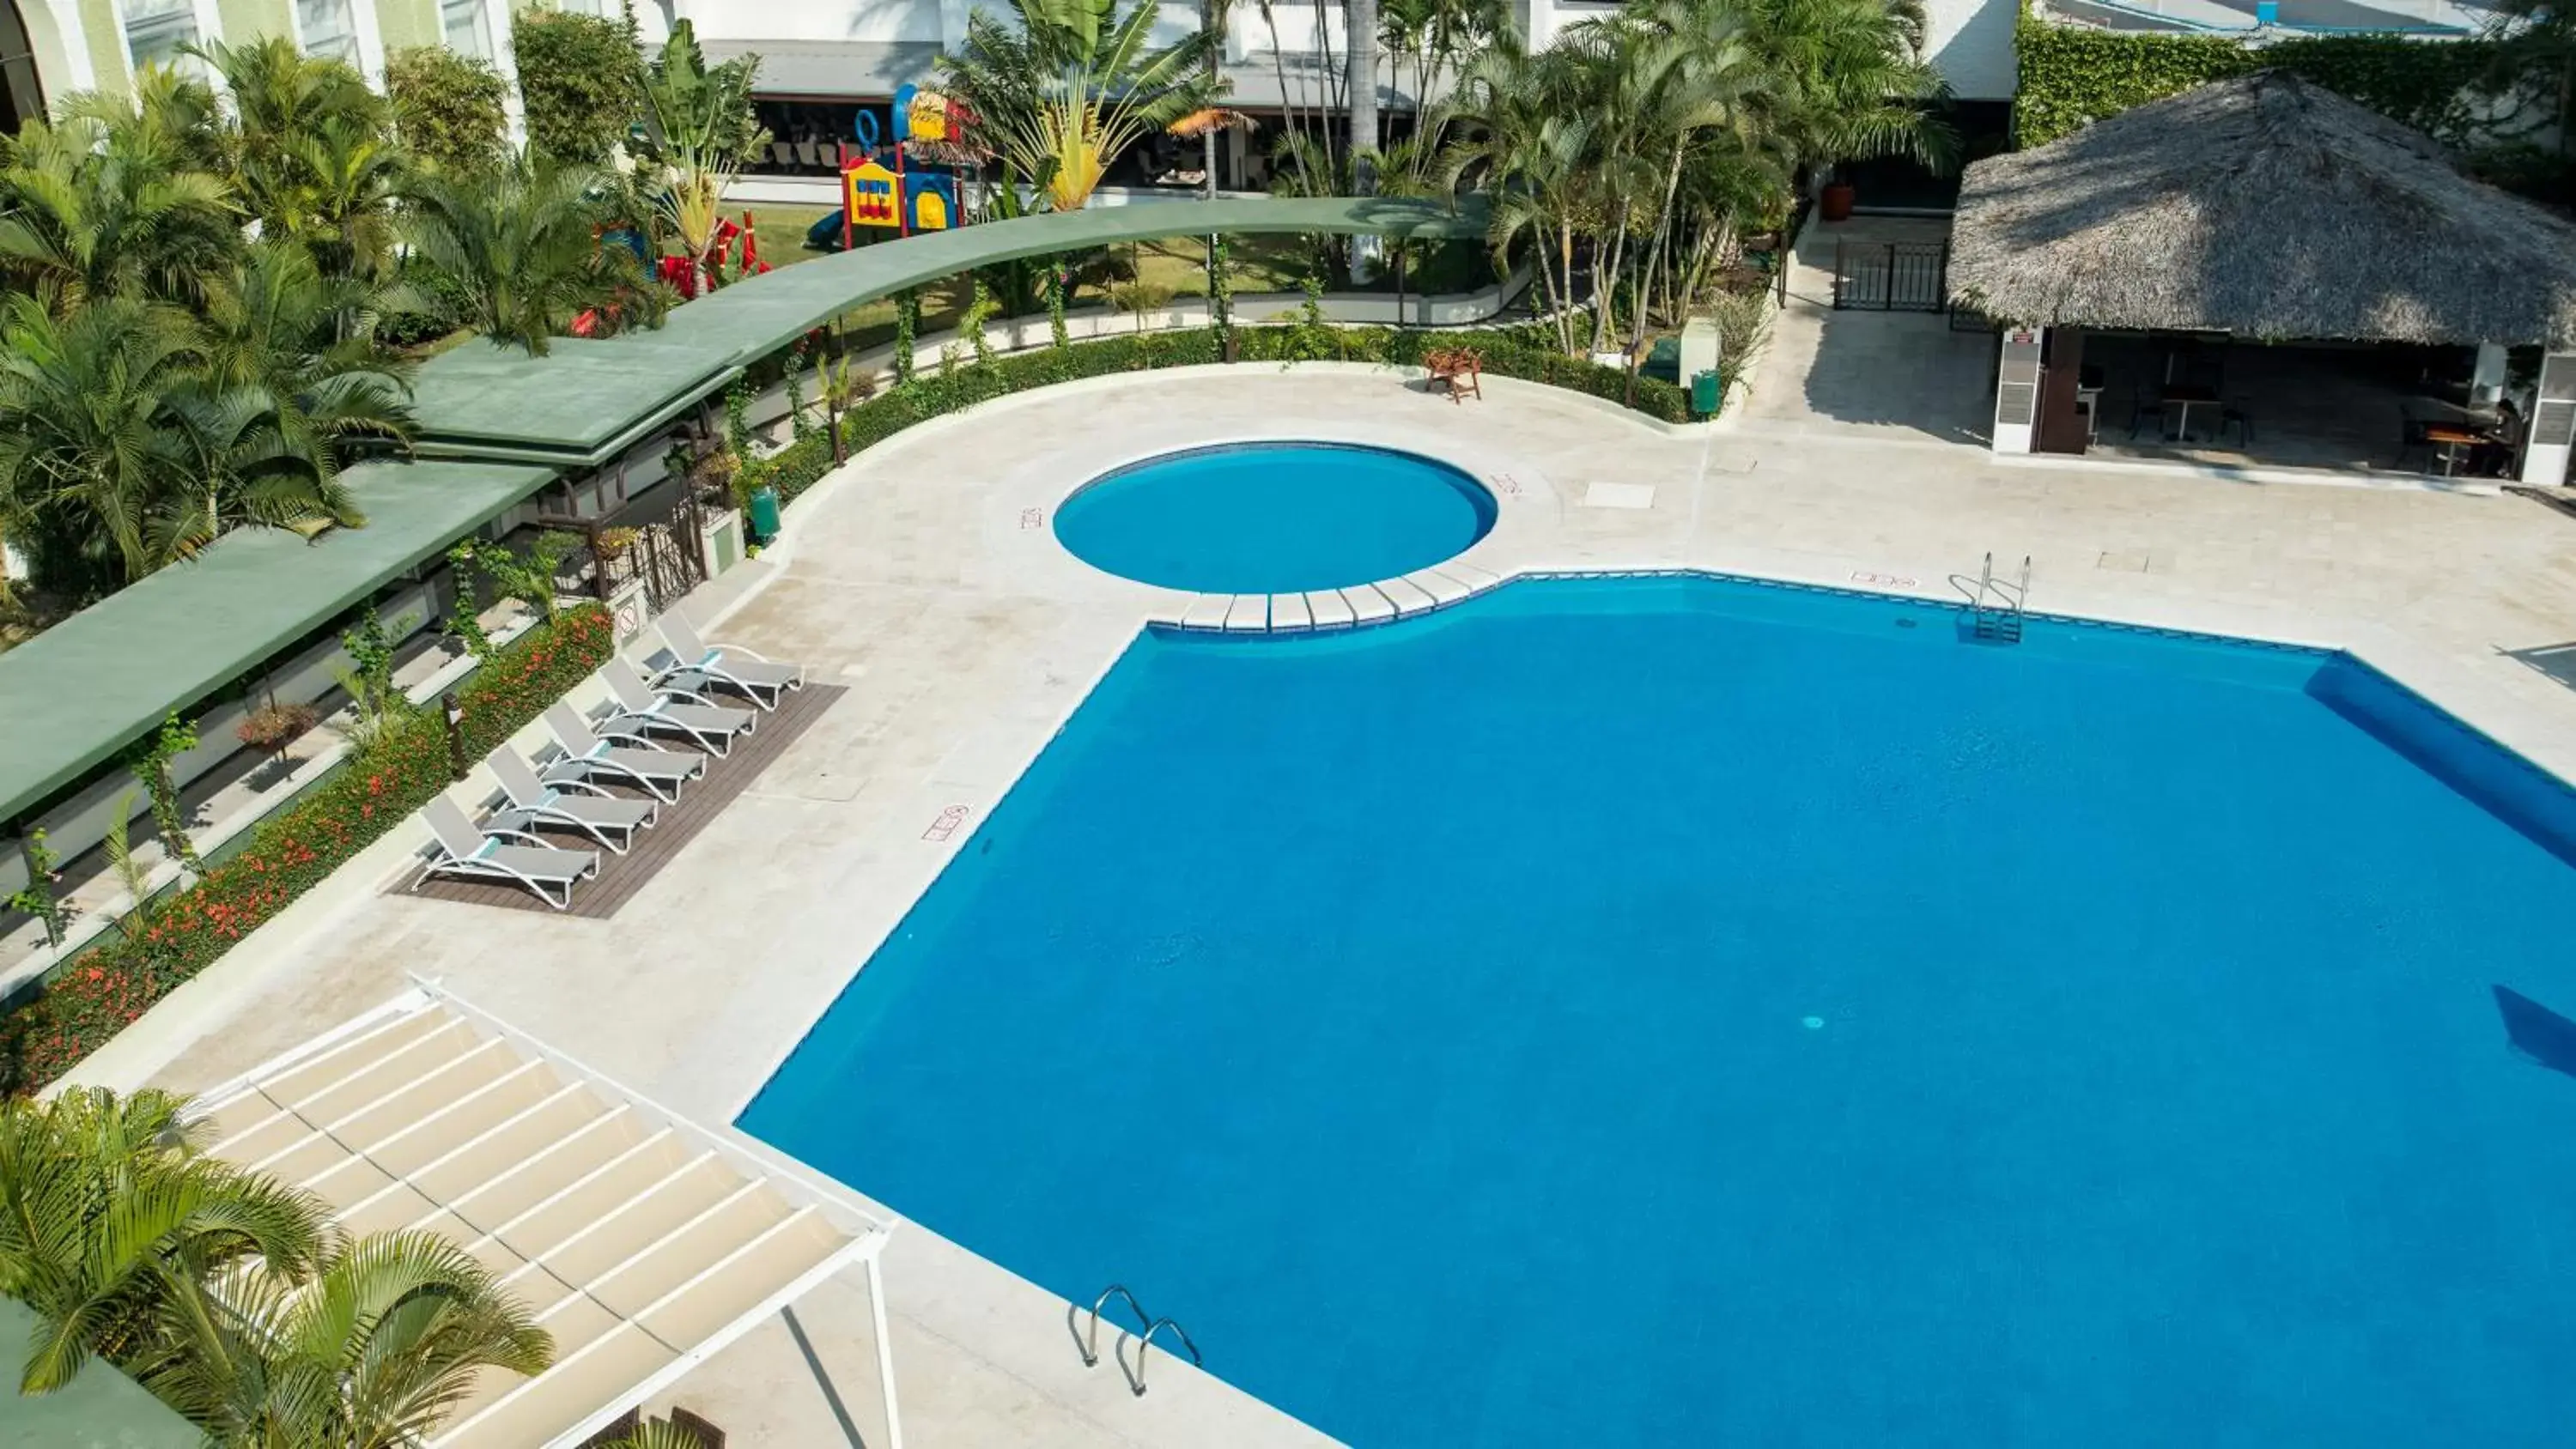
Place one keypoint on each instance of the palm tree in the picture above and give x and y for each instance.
(129, 449)
(520, 248)
(93, 208)
(305, 339)
(170, 114)
(1074, 84)
(698, 124)
(1528, 152)
(1694, 78)
(1847, 81)
(111, 1224)
(311, 151)
(1361, 16)
(371, 1349)
(89, 449)
(226, 1293)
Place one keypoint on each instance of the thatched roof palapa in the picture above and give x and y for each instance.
(2267, 207)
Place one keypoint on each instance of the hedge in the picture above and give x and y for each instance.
(99, 992)
(2072, 77)
(930, 394)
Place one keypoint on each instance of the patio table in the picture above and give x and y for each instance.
(2450, 442)
(2181, 400)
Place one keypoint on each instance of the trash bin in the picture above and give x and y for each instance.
(764, 515)
(1704, 393)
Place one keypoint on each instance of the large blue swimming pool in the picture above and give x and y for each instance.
(1686, 1012)
(1274, 518)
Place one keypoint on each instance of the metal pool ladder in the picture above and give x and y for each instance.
(1996, 605)
(1089, 1344)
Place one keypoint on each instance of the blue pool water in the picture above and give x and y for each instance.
(1685, 1012)
(1271, 518)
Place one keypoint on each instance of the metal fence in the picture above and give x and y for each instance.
(1891, 276)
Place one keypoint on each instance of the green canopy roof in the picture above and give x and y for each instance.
(83, 689)
(507, 423)
(583, 403)
(99, 1409)
(578, 400)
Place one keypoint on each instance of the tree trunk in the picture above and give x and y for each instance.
(1331, 102)
(1291, 119)
(1565, 262)
(1546, 274)
(1362, 72)
(1363, 92)
(1663, 229)
(1210, 20)
(1605, 283)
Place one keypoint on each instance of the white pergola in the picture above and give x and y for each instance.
(643, 1242)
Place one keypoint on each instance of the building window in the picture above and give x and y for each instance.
(155, 31)
(469, 27)
(328, 29)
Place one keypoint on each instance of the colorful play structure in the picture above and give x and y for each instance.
(733, 253)
(906, 187)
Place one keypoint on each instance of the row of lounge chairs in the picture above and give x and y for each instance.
(571, 788)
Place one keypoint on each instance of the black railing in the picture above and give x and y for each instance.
(1891, 276)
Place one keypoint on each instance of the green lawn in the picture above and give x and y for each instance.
(781, 232)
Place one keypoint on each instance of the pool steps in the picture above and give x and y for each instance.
(1418, 592)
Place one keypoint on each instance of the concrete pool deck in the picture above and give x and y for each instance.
(926, 579)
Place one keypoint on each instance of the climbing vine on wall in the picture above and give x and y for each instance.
(2072, 77)
(150, 760)
(907, 325)
(38, 899)
(1220, 267)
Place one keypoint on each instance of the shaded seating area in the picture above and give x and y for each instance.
(2363, 407)
(641, 1241)
(2260, 271)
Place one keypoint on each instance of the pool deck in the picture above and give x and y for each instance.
(926, 580)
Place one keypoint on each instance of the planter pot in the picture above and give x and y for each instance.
(1835, 201)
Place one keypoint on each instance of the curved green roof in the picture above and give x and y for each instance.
(80, 691)
(85, 688)
(585, 402)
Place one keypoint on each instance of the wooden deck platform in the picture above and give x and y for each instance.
(621, 876)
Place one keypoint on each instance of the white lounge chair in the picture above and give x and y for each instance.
(587, 756)
(577, 804)
(696, 664)
(644, 709)
(466, 851)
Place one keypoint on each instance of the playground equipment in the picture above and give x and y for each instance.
(918, 191)
(733, 253)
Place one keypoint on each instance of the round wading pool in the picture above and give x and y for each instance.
(1274, 518)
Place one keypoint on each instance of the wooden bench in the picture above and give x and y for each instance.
(1460, 369)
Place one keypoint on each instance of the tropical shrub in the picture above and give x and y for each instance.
(229, 1294)
(518, 250)
(1061, 87)
(1516, 354)
(111, 1224)
(577, 80)
(166, 377)
(98, 993)
(450, 108)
